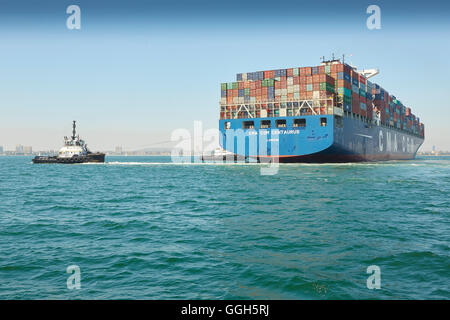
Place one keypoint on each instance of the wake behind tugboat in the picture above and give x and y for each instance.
(75, 150)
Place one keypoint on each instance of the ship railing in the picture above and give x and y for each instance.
(295, 107)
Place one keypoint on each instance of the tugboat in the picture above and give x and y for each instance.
(75, 150)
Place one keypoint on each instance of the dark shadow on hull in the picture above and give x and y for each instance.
(90, 158)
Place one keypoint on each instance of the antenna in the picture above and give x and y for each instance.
(332, 55)
(343, 58)
(74, 132)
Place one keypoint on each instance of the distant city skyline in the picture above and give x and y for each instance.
(136, 71)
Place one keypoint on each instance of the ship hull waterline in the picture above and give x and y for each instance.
(90, 158)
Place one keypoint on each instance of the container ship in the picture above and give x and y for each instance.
(326, 113)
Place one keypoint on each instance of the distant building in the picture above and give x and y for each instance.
(1, 150)
(118, 150)
(19, 149)
(27, 150)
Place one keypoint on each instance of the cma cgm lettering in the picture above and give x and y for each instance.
(316, 117)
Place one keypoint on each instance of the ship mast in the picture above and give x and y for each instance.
(74, 130)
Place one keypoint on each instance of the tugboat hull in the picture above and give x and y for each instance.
(89, 158)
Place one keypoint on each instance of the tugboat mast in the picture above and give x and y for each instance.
(74, 130)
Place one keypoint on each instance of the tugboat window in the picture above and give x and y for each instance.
(300, 123)
(265, 124)
(281, 123)
(248, 125)
(227, 125)
(323, 122)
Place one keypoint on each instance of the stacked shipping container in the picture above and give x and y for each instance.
(339, 84)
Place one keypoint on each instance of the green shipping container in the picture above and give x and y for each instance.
(223, 86)
(347, 99)
(344, 92)
(324, 86)
(235, 85)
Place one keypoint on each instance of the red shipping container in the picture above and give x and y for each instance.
(252, 85)
(355, 105)
(258, 84)
(369, 111)
(235, 92)
(321, 69)
(266, 74)
(296, 80)
(333, 68)
(316, 78)
(303, 79)
(316, 86)
(303, 88)
(290, 72)
(241, 85)
(258, 92)
(305, 71)
(309, 79)
(362, 79)
(329, 79)
(347, 69)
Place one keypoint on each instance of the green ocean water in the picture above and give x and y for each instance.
(146, 228)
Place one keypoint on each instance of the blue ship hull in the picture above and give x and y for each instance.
(341, 139)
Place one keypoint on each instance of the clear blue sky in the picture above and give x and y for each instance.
(139, 69)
